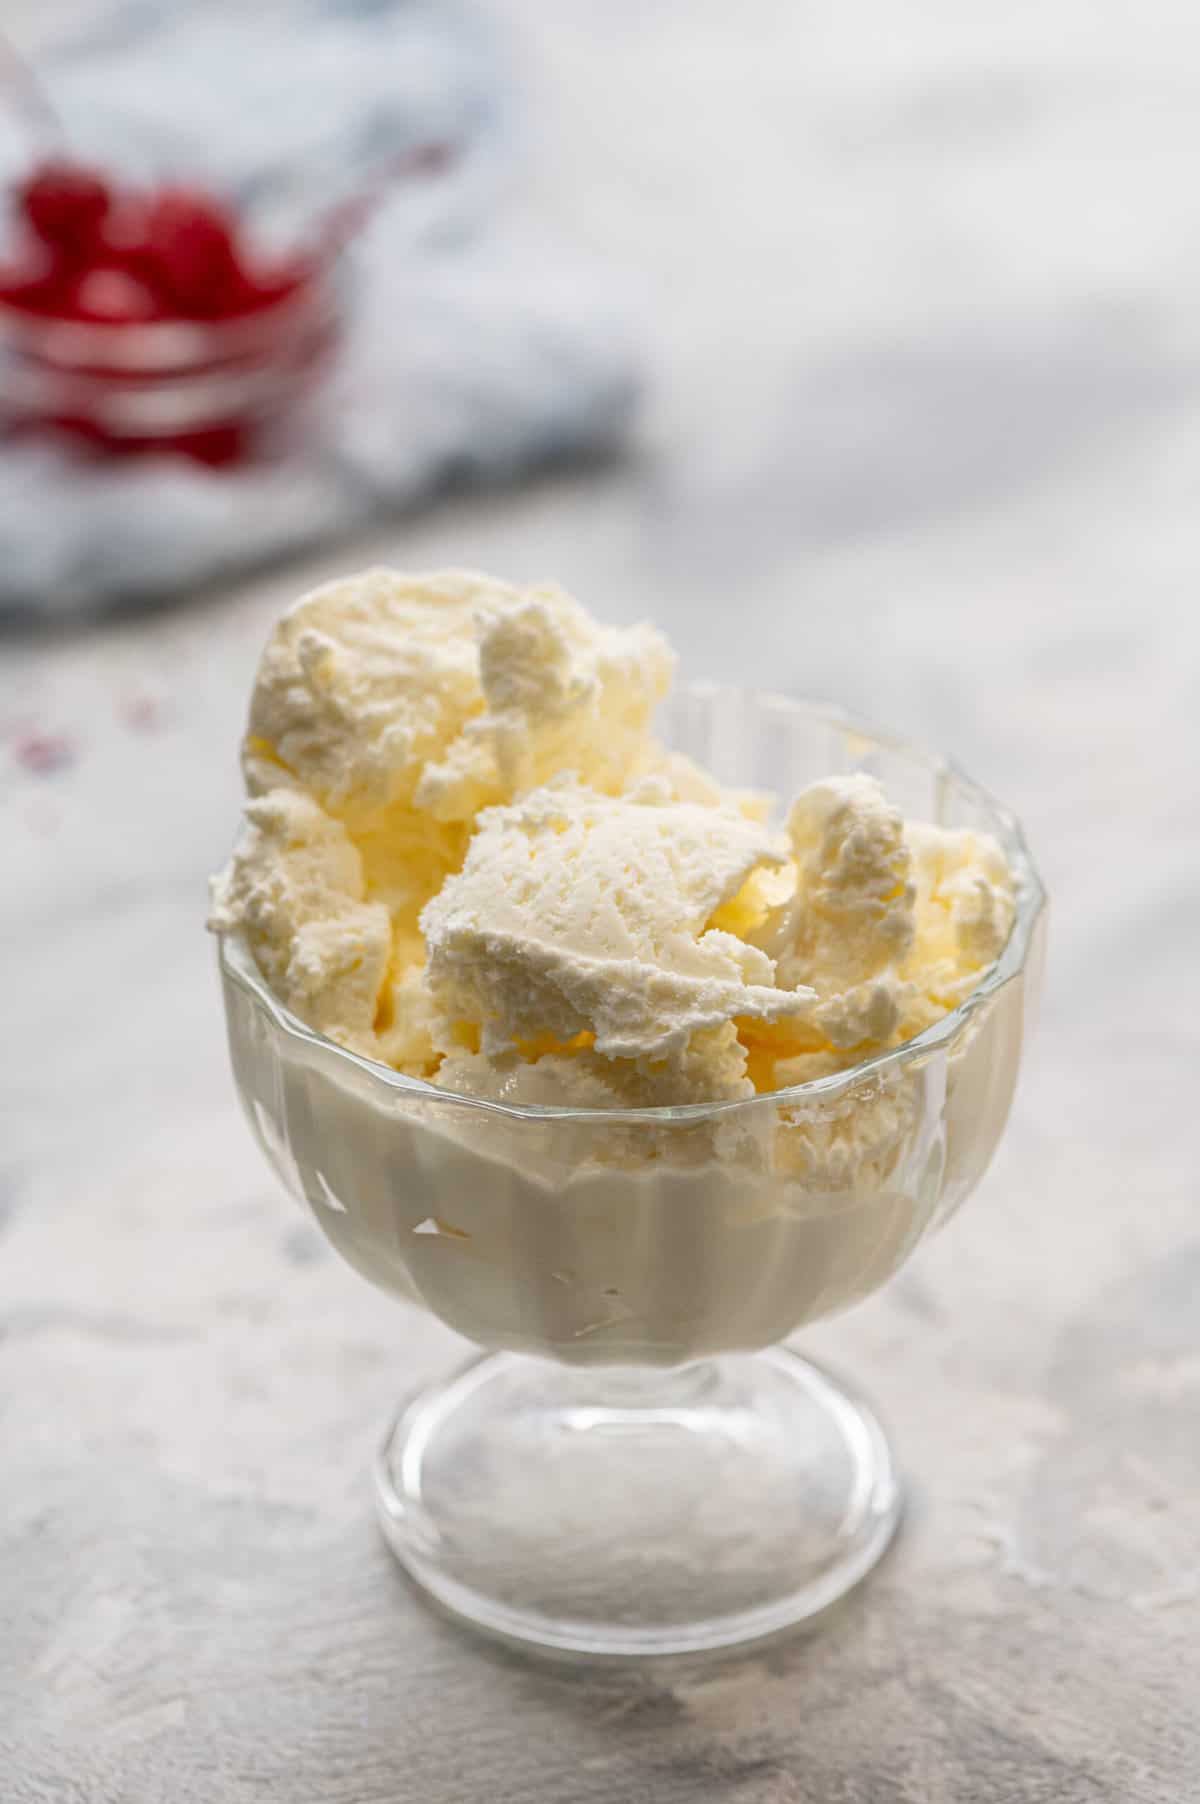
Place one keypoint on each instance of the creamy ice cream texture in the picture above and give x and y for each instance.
(466, 856)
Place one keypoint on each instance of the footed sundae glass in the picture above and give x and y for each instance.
(637, 1465)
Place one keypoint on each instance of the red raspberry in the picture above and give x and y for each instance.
(37, 281)
(190, 247)
(64, 203)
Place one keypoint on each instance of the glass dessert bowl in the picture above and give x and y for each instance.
(211, 390)
(637, 1466)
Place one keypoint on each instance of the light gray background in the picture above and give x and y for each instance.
(922, 286)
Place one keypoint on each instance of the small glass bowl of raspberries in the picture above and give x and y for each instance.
(149, 320)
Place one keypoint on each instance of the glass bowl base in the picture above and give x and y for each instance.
(625, 1512)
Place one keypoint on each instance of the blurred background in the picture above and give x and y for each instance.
(859, 351)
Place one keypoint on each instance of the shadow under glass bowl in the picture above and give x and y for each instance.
(637, 1467)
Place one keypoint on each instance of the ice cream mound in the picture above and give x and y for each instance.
(466, 856)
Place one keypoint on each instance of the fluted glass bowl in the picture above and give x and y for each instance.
(637, 1466)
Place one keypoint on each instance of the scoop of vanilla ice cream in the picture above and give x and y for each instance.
(581, 914)
(295, 888)
(407, 703)
(891, 923)
(396, 707)
(962, 917)
(848, 919)
(561, 693)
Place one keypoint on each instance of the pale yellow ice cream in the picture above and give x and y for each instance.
(577, 913)
(405, 704)
(296, 889)
(466, 856)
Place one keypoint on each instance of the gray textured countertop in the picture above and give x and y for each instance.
(925, 440)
